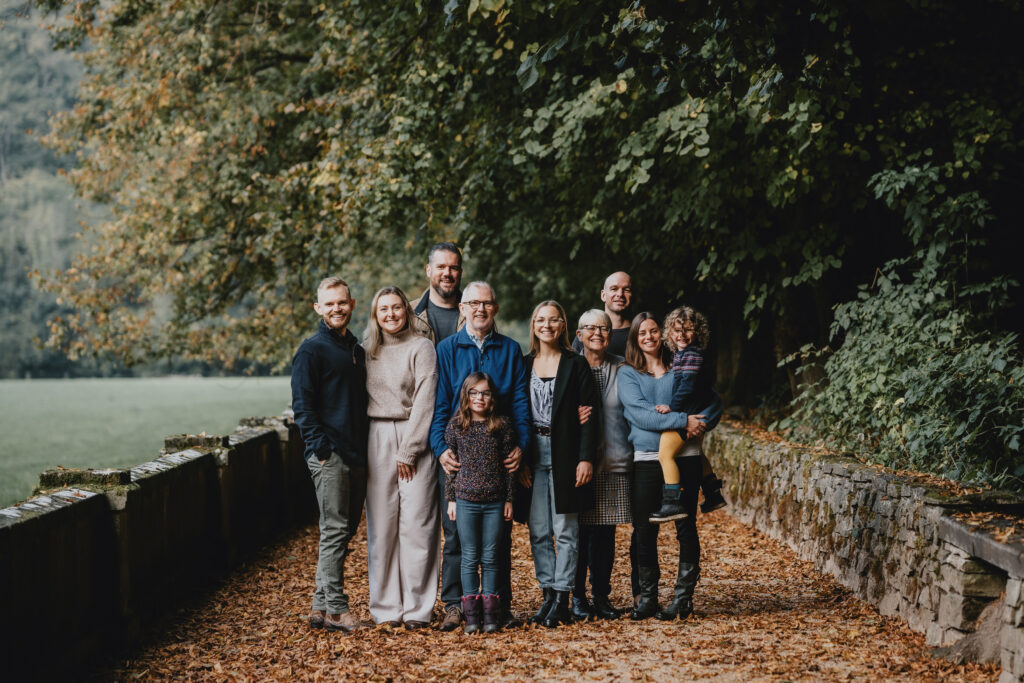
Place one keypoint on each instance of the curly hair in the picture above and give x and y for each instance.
(687, 314)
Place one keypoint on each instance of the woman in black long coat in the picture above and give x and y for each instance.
(562, 456)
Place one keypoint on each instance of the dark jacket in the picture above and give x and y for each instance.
(571, 442)
(329, 395)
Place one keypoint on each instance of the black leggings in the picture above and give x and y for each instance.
(647, 487)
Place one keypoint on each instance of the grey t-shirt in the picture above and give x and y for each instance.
(444, 321)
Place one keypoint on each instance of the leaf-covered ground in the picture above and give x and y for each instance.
(761, 614)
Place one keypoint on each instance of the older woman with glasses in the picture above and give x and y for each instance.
(562, 453)
(611, 477)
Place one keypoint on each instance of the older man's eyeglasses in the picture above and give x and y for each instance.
(473, 393)
(489, 305)
(591, 329)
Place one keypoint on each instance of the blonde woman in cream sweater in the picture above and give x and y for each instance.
(402, 519)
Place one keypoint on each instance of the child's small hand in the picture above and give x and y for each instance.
(508, 511)
(451, 510)
(663, 409)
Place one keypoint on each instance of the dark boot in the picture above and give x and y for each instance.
(559, 613)
(582, 610)
(472, 609)
(647, 606)
(604, 609)
(682, 605)
(545, 607)
(671, 507)
(492, 613)
(713, 499)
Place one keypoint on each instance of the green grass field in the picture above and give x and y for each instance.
(116, 422)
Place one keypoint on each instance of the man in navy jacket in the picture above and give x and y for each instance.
(329, 402)
(479, 347)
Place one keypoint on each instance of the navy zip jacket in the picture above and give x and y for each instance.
(329, 395)
(502, 359)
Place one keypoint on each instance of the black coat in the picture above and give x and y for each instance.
(571, 442)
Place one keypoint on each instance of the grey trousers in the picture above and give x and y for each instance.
(340, 491)
(403, 530)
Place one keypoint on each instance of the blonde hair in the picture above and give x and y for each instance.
(687, 314)
(563, 339)
(373, 336)
(331, 283)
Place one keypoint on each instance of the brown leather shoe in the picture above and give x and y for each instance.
(346, 622)
(316, 618)
(413, 625)
(452, 618)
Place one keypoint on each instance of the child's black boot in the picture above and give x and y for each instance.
(713, 499)
(671, 506)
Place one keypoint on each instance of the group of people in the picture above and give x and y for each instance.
(437, 422)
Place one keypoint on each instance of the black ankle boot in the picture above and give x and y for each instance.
(582, 610)
(559, 613)
(713, 499)
(604, 609)
(545, 607)
(647, 605)
(671, 507)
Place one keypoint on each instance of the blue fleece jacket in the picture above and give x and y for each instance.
(640, 392)
(502, 359)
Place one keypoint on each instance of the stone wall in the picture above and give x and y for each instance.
(98, 554)
(936, 560)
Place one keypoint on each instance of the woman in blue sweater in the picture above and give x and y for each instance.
(644, 383)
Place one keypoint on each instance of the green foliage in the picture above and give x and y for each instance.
(714, 147)
(916, 381)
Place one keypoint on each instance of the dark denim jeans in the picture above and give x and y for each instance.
(480, 533)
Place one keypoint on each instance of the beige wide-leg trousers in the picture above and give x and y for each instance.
(403, 530)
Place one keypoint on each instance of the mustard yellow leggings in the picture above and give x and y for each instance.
(671, 443)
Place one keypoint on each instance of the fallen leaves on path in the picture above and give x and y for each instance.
(761, 614)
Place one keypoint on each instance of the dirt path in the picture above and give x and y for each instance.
(761, 614)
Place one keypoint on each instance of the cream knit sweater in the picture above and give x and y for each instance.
(402, 383)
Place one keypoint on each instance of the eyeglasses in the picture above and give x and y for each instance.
(548, 321)
(590, 329)
(489, 305)
(473, 393)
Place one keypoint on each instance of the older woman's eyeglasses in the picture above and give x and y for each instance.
(590, 329)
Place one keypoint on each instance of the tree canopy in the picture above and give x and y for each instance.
(767, 156)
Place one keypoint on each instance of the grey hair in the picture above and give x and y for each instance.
(595, 313)
(478, 284)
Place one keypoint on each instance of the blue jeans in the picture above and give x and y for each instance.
(480, 526)
(554, 538)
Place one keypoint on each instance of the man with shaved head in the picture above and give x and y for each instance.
(617, 295)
